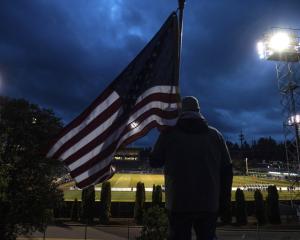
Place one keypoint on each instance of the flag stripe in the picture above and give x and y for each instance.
(108, 116)
(168, 98)
(85, 179)
(91, 136)
(83, 120)
(157, 89)
(159, 117)
(96, 154)
(100, 176)
(127, 132)
(90, 162)
(65, 145)
(115, 125)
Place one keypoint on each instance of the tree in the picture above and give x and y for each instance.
(27, 181)
(273, 205)
(259, 207)
(156, 195)
(75, 210)
(155, 224)
(153, 193)
(105, 203)
(241, 212)
(88, 204)
(266, 149)
(140, 198)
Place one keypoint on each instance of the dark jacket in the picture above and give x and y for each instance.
(197, 166)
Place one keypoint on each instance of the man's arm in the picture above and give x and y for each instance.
(225, 178)
(157, 156)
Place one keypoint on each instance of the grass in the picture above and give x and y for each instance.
(123, 180)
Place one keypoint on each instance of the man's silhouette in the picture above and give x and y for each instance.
(198, 173)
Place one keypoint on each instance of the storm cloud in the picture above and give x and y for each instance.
(61, 54)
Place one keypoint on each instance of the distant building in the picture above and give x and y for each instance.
(131, 159)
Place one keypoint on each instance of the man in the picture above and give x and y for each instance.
(198, 173)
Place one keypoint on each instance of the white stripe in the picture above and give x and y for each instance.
(98, 110)
(96, 168)
(106, 174)
(157, 89)
(96, 150)
(91, 136)
(142, 125)
(116, 134)
(124, 189)
(103, 163)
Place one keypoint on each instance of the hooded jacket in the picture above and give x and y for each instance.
(197, 166)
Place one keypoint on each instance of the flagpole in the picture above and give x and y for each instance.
(181, 4)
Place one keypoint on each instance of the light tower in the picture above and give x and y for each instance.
(282, 46)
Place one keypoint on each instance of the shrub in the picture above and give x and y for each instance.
(156, 195)
(140, 198)
(105, 203)
(75, 210)
(241, 212)
(273, 205)
(155, 224)
(259, 207)
(88, 204)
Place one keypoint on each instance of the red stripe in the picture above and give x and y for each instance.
(99, 139)
(94, 177)
(90, 163)
(112, 145)
(101, 172)
(163, 97)
(78, 120)
(91, 145)
(90, 127)
(142, 133)
(102, 137)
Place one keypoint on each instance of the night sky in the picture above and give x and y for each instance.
(61, 54)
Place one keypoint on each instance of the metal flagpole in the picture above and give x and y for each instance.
(181, 4)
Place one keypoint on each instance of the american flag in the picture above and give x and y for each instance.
(144, 96)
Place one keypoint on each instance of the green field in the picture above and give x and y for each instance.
(123, 180)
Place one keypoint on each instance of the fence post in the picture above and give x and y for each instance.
(85, 230)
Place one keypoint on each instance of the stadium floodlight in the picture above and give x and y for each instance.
(279, 45)
(295, 119)
(280, 41)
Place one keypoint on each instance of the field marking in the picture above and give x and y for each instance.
(40, 238)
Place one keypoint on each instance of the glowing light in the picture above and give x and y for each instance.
(279, 45)
(280, 41)
(34, 120)
(295, 119)
(261, 49)
(134, 124)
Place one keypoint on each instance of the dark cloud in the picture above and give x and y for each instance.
(62, 55)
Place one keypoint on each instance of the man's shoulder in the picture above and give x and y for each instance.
(215, 131)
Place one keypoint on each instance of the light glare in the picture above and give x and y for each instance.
(133, 125)
(295, 119)
(280, 41)
(261, 49)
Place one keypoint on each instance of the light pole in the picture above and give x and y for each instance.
(282, 46)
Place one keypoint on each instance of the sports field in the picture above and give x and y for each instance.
(123, 185)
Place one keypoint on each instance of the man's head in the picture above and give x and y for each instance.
(190, 104)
